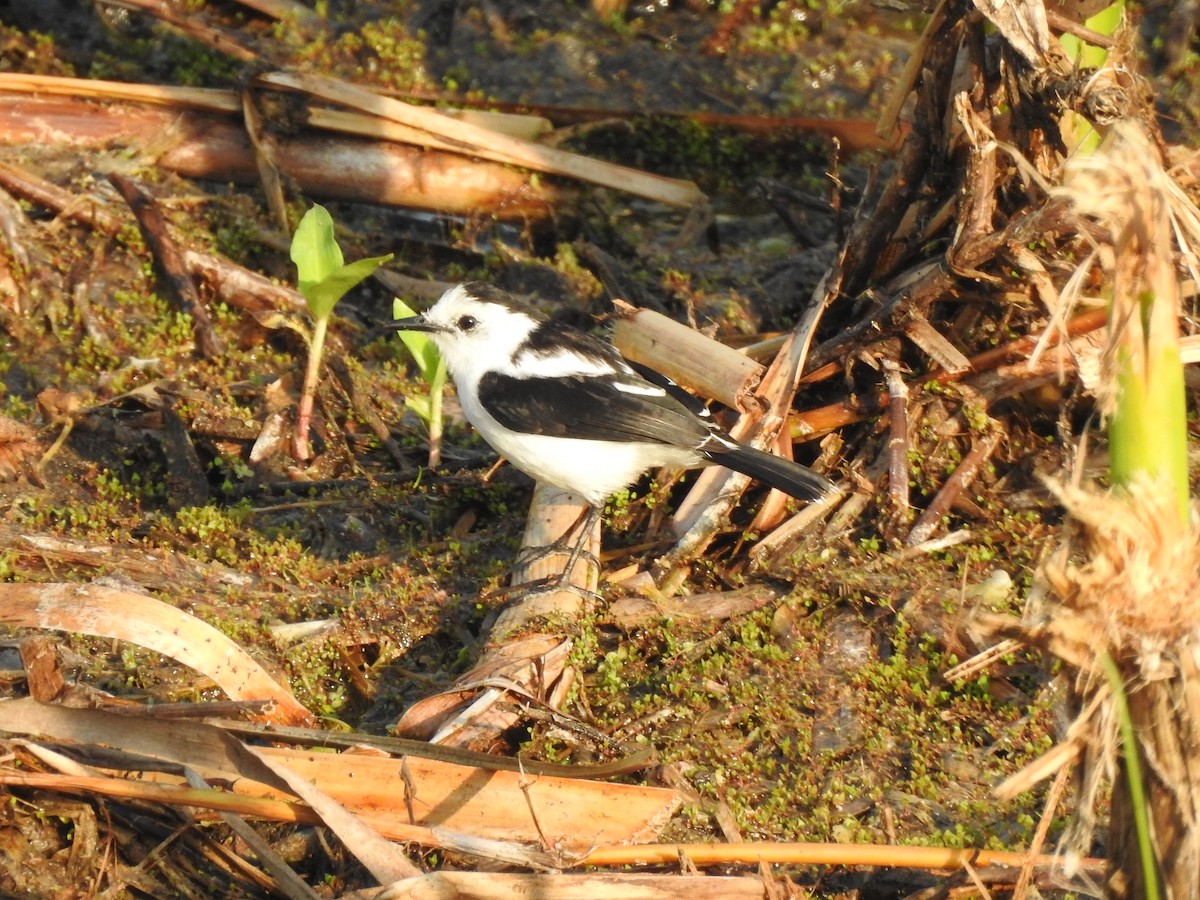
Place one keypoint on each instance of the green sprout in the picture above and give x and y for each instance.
(1079, 134)
(433, 369)
(324, 279)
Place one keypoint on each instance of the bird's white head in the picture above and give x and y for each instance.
(476, 327)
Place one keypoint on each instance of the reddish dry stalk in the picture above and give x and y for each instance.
(898, 439)
(813, 423)
(968, 469)
(153, 225)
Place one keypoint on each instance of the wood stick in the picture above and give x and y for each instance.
(162, 246)
(200, 145)
(967, 470)
(691, 359)
(271, 179)
(191, 25)
(226, 101)
(234, 284)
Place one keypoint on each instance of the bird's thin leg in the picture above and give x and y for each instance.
(578, 549)
(586, 519)
(589, 518)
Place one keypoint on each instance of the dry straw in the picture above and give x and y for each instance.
(1120, 602)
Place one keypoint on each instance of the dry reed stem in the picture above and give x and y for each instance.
(1126, 590)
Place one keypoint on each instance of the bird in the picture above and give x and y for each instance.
(567, 409)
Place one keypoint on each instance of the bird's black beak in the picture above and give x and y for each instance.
(416, 323)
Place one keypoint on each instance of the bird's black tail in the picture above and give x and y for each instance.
(790, 477)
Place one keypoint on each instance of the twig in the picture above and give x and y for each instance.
(975, 880)
(265, 158)
(524, 784)
(897, 440)
(361, 404)
(1070, 26)
(67, 423)
(287, 881)
(166, 253)
(981, 452)
(410, 790)
(1053, 796)
(190, 25)
(969, 668)
(890, 117)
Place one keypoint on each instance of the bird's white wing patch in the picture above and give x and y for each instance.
(643, 390)
(561, 364)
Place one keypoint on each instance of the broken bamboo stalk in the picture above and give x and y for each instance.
(485, 144)
(196, 144)
(688, 357)
(554, 516)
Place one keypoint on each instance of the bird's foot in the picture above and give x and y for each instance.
(528, 556)
(546, 587)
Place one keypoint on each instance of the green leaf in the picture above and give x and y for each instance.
(422, 405)
(325, 294)
(1105, 22)
(419, 344)
(314, 249)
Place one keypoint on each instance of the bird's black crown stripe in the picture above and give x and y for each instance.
(550, 337)
(489, 293)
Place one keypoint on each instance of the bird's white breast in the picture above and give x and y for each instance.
(604, 466)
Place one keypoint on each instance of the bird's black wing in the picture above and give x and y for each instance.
(596, 408)
(620, 408)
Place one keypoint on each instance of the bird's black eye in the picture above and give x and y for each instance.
(466, 323)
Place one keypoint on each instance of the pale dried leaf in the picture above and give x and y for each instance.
(150, 623)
